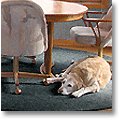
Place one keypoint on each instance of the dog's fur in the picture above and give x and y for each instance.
(84, 76)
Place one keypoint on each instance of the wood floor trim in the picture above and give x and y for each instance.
(71, 44)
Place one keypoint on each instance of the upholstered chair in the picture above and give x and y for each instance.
(100, 35)
(23, 33)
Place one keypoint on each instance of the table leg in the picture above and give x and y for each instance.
(48, 53)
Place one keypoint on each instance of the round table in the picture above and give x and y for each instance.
(58, 11)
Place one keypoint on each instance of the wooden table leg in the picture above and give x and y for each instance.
(48, 53)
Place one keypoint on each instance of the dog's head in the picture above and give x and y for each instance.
(68, 85)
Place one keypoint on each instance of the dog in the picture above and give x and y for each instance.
(84, 76)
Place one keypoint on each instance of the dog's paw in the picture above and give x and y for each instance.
(47, 81)
(74, 94)
(78, 93)
(59, 75)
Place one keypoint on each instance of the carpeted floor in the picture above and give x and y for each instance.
(37, 97)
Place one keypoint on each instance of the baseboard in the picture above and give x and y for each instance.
(71, 44)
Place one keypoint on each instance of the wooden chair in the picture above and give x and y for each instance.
(23, 33)
(100, 35)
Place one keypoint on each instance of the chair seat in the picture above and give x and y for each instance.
(85, 35)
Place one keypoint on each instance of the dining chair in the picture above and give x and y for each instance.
(23, 33)
(100, 35)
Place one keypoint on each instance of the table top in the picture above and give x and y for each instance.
(59, 11)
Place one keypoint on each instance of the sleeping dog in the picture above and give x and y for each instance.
(84, 76)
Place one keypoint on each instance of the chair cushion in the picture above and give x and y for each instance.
(85, 35)
(82, 35)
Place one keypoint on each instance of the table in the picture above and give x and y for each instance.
(58, 11)
(55, 11)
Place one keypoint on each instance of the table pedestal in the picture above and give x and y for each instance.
(48, 53)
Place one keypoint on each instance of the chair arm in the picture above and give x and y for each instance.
(96, 20)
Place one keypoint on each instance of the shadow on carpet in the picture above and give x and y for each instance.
(37, 97)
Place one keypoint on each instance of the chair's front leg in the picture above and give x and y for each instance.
(15, 74)
(100, 52)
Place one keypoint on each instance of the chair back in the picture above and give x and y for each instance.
(106, 25)
(23, 29)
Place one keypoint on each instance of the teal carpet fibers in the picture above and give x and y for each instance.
(37, 97)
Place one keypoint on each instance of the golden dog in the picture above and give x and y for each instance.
(84, 76)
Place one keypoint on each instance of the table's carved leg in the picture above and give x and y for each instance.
(15, 74)
(48, 53)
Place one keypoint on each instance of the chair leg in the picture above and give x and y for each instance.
(100, 52)
(15, 74)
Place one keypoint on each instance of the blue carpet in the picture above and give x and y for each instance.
(37, 97)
